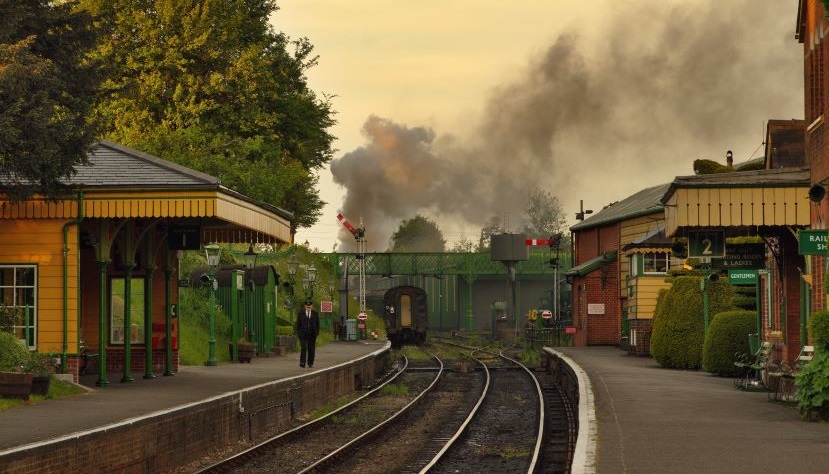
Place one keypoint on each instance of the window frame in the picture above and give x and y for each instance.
(137, 310)
(654, 257)
(30, 292)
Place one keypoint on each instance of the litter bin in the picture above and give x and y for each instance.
(351, 329)
(754, 343)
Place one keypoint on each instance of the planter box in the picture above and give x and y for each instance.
(40, 385)
(15, 385)
(246, 352)
(285, 344)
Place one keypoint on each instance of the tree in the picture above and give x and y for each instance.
(209, 84)
(419, 234)
(492, 227)
(48, 86)
(544, 214)
(464, 245)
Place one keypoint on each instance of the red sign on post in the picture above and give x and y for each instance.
(361, 325)
(570, 330)
(326, 306)
(546, 314)
(362, 316)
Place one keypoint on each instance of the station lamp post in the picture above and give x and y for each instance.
(312, 277)
(293, 264)
(250, 264)
(250, 258)
(212, 252)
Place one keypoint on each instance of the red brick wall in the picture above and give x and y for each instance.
(163, 442)
(598, 287)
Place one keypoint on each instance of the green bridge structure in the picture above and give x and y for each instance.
(460, 285)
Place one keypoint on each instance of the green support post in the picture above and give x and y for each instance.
(705, 275)
(102, 326)
(148, 308)
(168, 330)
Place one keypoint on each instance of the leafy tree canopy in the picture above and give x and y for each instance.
(47, 88)
(418, 234)
(544, 214)
(209, 84)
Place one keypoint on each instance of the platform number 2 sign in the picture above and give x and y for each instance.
(706, 244)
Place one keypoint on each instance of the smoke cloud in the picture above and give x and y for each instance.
(592, 118)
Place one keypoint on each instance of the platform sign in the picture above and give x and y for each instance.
(742, 277)
(811, 241)
(706, 244)
(362, 316)
(326, 306)
(546, 314)
(570, 330)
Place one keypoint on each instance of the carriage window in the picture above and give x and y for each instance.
(116, 310)
(405, 310)
(18, 312)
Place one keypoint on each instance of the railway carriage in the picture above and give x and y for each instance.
(405, 313)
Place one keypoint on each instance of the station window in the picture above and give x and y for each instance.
(18, 308)
(656, 262)
(117, 312)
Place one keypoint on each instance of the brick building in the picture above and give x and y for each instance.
(601, 271)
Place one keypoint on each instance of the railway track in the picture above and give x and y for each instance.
(467, 410)
(505, 431)
(319, 442)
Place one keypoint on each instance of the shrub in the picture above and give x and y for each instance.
(677, 338)
(813, 387)
(819, 328)
(14, 357)
(812, 382)
(745, 298)
(727, 336)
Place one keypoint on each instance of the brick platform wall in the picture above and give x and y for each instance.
(163, 442)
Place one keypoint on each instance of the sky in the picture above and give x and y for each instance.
(457, 109)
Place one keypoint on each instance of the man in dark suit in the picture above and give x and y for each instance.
(307, 329)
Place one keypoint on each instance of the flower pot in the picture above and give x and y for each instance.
(245, 352)
(15, 385)
(40, 384)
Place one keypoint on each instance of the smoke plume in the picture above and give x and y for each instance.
(591, 118)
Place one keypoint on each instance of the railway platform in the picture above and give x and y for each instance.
(119, 403)
(647, 419)
(655, 420)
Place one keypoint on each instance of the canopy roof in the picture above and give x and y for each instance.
(120, 182)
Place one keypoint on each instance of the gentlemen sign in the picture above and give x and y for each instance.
(811, 241)
(742, 277)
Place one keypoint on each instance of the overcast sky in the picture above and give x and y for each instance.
(456, 109)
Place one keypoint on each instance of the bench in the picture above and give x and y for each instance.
(782, 377)
(749, 373)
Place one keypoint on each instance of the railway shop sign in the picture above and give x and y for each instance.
(811, 241)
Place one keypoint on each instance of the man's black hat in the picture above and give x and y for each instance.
(308, 303)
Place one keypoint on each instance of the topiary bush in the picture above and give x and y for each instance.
(727, 336)
(677, 338)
